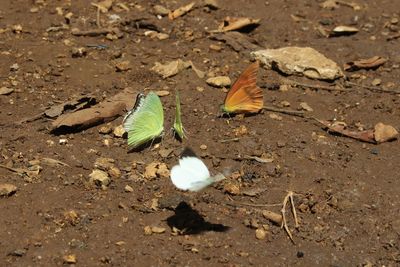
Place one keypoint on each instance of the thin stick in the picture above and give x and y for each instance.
(8, 168)
(98, 17)
(284, 223)
(374, 88)
(296, 222)
(253, 205)
(285, 111)
(312, 86)
(229, 140)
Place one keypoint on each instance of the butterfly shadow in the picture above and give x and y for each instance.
(190, 222)
(232, 115)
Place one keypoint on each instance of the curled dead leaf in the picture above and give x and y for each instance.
(369, 63)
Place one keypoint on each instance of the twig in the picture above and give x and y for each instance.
(93, 32)
(283, 212)
(98, 17)
(374, 88)
(16, 170)
(229, 140)
(296, 222)
(312, 86)
(9, 168)
(253, 204)
(285, 111)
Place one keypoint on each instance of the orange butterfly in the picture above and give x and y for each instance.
(245, 96)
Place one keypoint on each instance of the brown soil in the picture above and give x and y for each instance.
(347, 192)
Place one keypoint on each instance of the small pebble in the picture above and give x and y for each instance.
(203, 147)
(261, 234)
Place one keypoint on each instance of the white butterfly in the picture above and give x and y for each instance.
(192, 174)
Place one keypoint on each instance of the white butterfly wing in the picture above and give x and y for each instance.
(191, 174)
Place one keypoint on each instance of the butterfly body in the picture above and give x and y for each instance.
(145, 122)
(192, 174)
(178, 127)
(244, 96)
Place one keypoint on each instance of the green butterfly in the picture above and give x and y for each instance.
(178, 127)
(145, 122)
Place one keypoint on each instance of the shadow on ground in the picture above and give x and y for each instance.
(190, 222)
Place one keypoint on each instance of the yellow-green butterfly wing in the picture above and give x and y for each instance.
(178, 127)
(145, 122)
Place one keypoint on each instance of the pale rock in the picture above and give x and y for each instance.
(162, 170)
(261, 234)
(6, 91)
(384, 133)
(299, 61)
(219, 81)
(7, 190)
(99, 178)
(119, 131)
(306, 107)
(128, 189)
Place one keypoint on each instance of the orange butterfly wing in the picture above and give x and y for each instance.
(245, 96)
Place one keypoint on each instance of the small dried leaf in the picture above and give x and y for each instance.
(233, 24)
(369, 63)
(171, 68)
(180, 11)
(365, 136)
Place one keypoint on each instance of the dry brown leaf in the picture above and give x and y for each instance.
(198, 72)
(171, 68)
(232, 24)
(105, 111)
(369, 63)
(365, 136)
(180, 11)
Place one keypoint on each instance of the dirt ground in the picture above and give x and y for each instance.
(347, 193)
